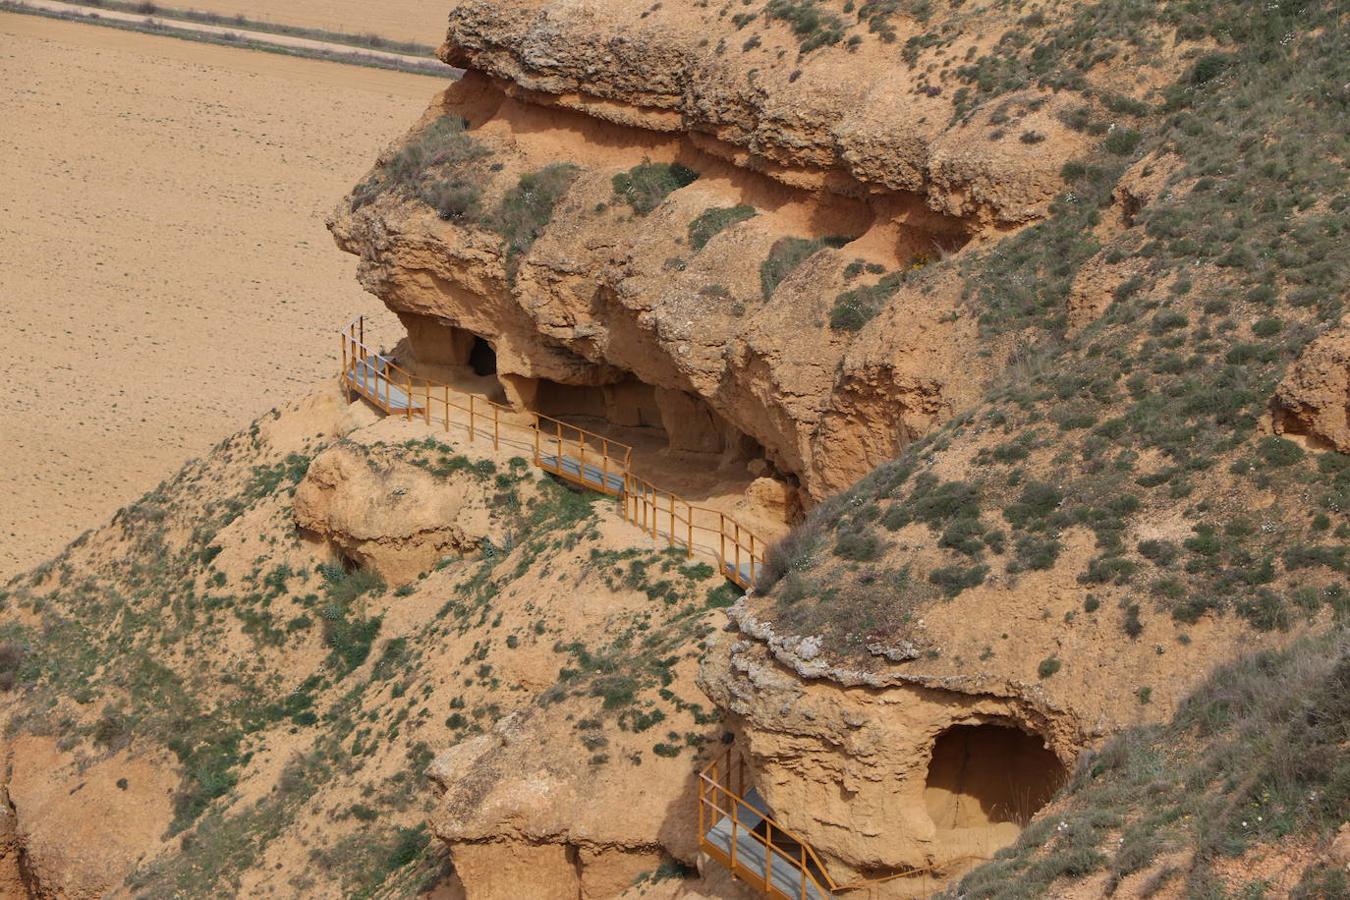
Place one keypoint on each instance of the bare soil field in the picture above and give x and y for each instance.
(423, 21)
(165, 273)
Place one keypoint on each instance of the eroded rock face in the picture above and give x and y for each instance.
(74, 828)
(849, 121)
(1314, 398)
(609, 301)
(910, 775)
(392, 517)
(525, 795)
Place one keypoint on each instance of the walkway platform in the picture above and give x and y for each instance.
(757, 852)
(589, 475)
(369, 377)
(582, 457)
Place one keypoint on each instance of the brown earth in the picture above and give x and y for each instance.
(171, 275)
(422, 21)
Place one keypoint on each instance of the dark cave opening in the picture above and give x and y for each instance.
(986, 774)
(482, 358)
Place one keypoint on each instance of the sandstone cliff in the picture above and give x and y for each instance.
(805, 238)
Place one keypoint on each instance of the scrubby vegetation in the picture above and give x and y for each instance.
(1155, 406)
(1254, 756)
(526, 209)
(711, 222)
(644, 186)
(786, 255)
(174, 630)
(436, 167)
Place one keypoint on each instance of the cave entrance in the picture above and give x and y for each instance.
(482, 358)
(988, 775)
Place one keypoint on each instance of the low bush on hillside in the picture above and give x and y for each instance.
(813, 25)
(526, 209)
(644, 186)
(713, 221)
(786, 255)
(432, 166)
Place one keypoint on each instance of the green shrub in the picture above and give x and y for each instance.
(1278, 452)
(1049, 666)
(526, 209)
(712, 221)
(787, 254)
(813, 26)
(455, 199)
(854, 309)
(1122, 141)
(1035, 552)
(955, 579)
(858, 546)
(1132, 625)
(1038, 500)
(445, 144)
(644, 186)
(1208, 67)
(1160, 553)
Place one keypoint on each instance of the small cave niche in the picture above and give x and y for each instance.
(987, 775)
(482, 358)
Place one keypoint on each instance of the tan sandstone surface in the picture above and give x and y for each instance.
(162, 265)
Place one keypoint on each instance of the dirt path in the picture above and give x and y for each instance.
(218, 31)
(165, 274)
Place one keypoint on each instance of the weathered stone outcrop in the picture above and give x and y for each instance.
(610, 301)
(846, 757)
(1314, 398)
(850, 121)
(392, 517)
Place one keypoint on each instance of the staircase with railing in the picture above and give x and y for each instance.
(736, 828)
(574, 454)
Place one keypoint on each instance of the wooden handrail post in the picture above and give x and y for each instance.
(426, 402)
(752, 557)
(701, 830)
(407, 406)
(737, 526)
(670, 537)
(801, 848)
(536, 439)
(768, 854)
(735, 821)
(689, 530)
(447, 406)
(471, 435)
(496, 427)
(722, 542)
(346, 380)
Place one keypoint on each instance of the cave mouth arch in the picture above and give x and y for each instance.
(482, 358)
(989, 774)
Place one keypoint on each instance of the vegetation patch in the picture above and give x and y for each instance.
(786, 255)
(711, 222)
(644, 186)
(1255, 755)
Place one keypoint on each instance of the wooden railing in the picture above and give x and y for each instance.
(722, 791)
(580, 456)
(721, 795)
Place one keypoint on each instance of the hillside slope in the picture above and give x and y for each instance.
(1030, 318)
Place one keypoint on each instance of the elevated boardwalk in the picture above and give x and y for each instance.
(574, 454)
